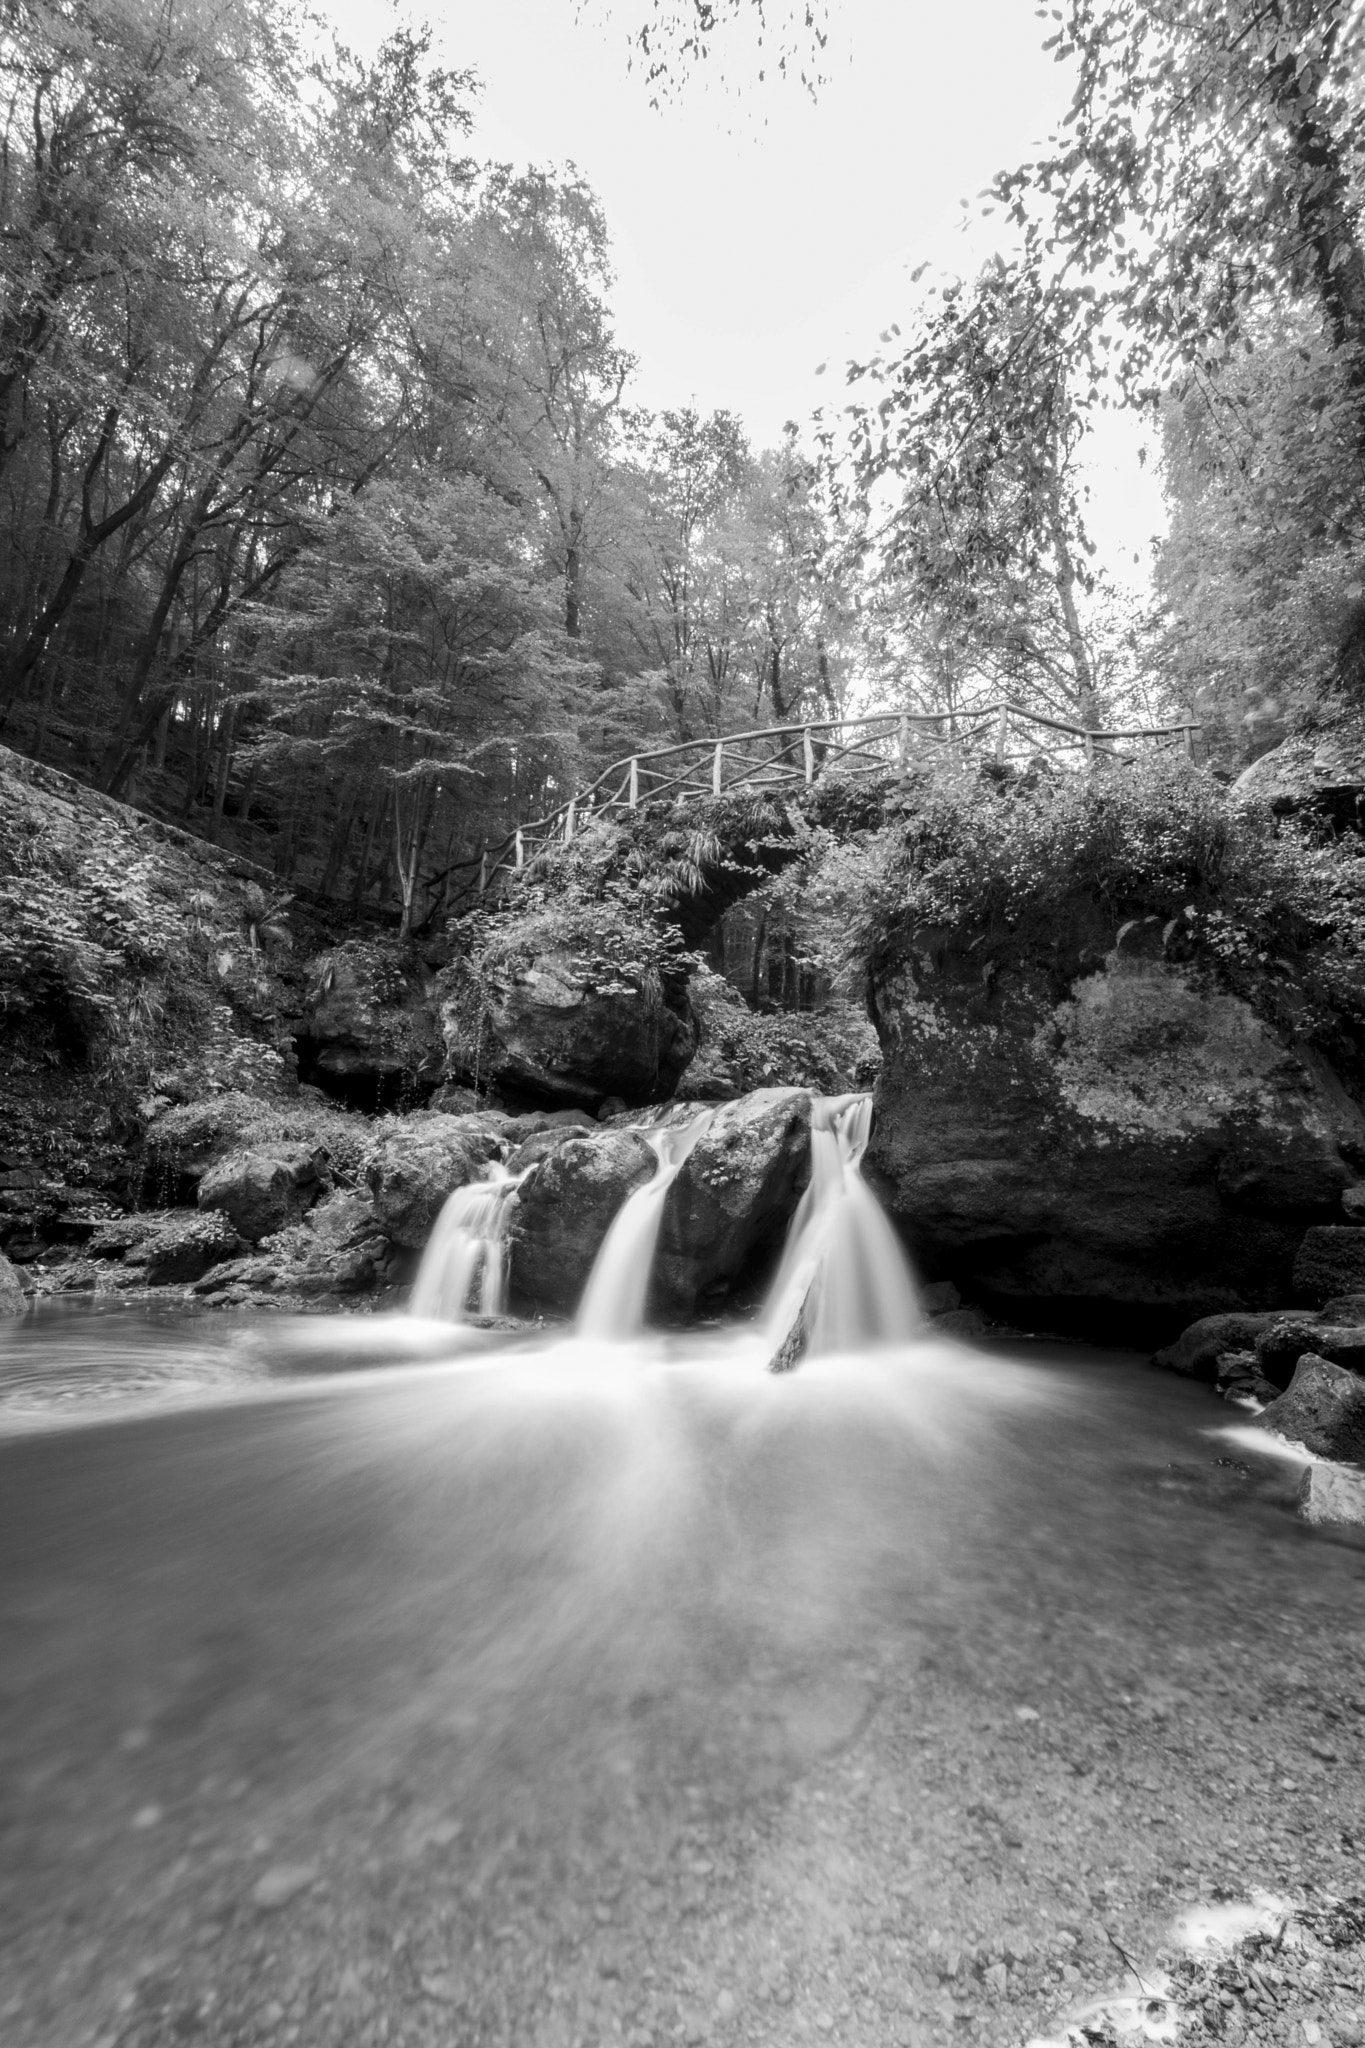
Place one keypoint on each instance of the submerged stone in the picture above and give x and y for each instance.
(1330, 1495)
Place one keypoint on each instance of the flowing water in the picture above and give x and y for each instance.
(373, 1684)
(464, 1267)
(613, 1306)
(843, 1267)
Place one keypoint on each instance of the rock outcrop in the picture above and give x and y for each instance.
(418, 1161)
(565, 1209)
(370, 1035)
(1330, 1261)
(1104, 1137)
(553, 1031)
(732, 1200)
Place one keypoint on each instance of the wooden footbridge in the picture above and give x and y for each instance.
(790, 756)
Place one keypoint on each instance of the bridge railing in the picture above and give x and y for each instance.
(782, 756)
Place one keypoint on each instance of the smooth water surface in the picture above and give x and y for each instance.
(572, 1695)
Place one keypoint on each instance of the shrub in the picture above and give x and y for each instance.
(1276, 913)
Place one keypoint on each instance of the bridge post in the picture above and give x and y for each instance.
(718, 768)
(902, 746)
(520, 850)
(634, 782)
(1189, 731)
(569, 821)
(1090, 751)
(483, 871)
(1002, 730)
(810, 755)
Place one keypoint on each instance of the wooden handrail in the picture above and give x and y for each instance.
(525, 841)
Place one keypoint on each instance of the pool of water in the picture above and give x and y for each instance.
(371, 1684)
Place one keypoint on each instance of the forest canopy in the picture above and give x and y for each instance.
(331, 525)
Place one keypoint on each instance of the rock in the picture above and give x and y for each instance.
(371, 1035)
(1239, 1377)
(1353, 1202)
(184, 1141)
(549, 1027)
(166, 1248)
(1344, 1308)
(1196, 1351)
(1329, 1495)
(421, 1159)
(1323, 1409)
(13, 1300)
(263, 1190)
(286, 1881)
(963, 1322)
(565, 1209)
(1321, 771)
(733, 1199)
(1330, 1260)
(1104, 1138)
(1281, 1342)
(937, 1297)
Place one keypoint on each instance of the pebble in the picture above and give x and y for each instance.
(441, 1987)
(725, 2004)
(286, 1881)
(147, 1817)
(825, 2022)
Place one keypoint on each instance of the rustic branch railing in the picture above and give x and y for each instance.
(778, 756)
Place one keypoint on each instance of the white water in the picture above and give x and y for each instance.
(843, 1268)
(613, 1305)
(464, 1267)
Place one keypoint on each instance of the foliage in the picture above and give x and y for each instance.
(1008, 870)
(741, 1048)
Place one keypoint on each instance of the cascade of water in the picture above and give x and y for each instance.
(465, 1260)
(613, 1305)
(843, 1273)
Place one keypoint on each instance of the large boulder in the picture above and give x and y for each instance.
(564, 1209)
(1322, 771)
(1100, 1136)
(561, 1029)
(12, 1298)
(732, 1200)
(1323, 1408)
(418, 1161)
(266, 1188)
(370, 1035)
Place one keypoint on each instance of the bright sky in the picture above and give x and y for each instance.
(758, 233)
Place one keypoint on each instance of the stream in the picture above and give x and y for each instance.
(372, 1681)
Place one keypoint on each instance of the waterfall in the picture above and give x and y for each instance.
(613, 1305)
(466, 1249)
(844, 1282)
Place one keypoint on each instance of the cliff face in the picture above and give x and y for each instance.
(1122, 1147)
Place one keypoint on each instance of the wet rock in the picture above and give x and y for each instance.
(554, 1027)
(733, 1199)
(1323, 1409)
(565, 1209)
(418, 1161)
(1239, 1378)
(13, 1300)
(371, 1035)
(1197, 1350)
(263, 1190)
(1330, 1261)
(937, 1297)
(1328, 1495)
(166, 1248)
(277, 1887)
